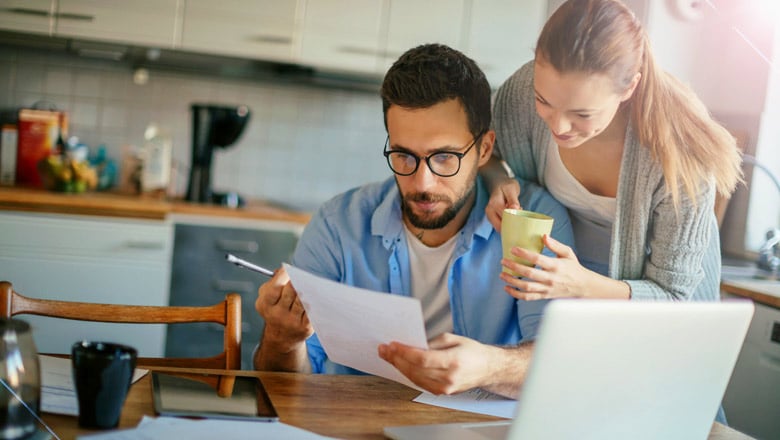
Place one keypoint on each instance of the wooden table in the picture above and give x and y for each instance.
(349, 407)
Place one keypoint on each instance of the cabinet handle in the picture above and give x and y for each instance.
(234, 286)
(249, 246)
(769, 360)
(72, 16)
(270, 39)
(26, 11)
(148, 245)
(44, 13)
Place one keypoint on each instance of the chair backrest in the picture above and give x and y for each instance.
(226, 313)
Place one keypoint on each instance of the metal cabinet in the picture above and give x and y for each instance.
(753, 395)
(200, 276)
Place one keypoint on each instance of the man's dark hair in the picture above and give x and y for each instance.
(432, 73)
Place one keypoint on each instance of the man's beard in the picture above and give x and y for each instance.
(434, 222)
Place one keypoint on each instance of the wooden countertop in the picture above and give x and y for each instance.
(763, 292)
(346, 407)
(120, 205)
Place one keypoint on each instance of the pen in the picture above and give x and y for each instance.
(247, 265)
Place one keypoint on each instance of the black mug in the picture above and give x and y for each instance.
(102, 374)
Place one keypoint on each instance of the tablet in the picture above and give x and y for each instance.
(178, 396)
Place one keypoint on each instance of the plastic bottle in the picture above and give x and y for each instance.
(156, 153)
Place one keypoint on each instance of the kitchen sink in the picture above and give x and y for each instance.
(748, 276)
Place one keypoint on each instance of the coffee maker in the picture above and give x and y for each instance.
(212, 126)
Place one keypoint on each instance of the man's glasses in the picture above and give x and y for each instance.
(442, 163)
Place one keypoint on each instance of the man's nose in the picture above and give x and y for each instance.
(424, 177)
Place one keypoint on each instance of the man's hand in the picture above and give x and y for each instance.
(452, 364)
(287, 327)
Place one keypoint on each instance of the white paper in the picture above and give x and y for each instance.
(58, 394)
(476, 401)
(352, 322)
(207, 429)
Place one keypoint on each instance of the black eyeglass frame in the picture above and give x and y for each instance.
(418, 159)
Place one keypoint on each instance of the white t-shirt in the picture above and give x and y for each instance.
(430, 268)
(592, 216)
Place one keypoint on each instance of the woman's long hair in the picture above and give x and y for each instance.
(604, 37)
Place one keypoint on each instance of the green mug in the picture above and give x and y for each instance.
(524, 229)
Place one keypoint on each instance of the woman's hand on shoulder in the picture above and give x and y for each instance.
(504, 195)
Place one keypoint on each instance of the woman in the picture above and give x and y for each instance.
(631, 152)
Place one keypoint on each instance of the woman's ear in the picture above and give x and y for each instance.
(631, 87)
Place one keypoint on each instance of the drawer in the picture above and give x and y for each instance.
(91, 259)
(201, 275)
(52, 236)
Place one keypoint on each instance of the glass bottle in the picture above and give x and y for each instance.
(20, 380)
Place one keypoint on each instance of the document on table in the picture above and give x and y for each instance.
(172, 427)
(58, 394)
(351, 322)
(476, 401)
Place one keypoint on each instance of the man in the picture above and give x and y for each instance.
(424, 234)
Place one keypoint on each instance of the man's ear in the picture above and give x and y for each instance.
(486, 146)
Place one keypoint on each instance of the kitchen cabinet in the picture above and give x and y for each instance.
(502, 35)
(752, 398)
(411, 23)
(33, 16)
(155, 23)
(201, 276)
(342, 35)
(361, 37)
(91, 259)
(255, 29)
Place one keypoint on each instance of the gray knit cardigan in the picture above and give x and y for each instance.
(661, 253)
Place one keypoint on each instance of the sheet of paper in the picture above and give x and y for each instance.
(58, 394)
(351, 322)
(171, 427)
(476, 401)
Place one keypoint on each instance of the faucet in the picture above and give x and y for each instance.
(769, 253)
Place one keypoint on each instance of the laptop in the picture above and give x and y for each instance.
(606, 369)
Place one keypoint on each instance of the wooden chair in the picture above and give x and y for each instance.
(227, 313)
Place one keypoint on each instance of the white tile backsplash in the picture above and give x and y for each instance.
(88, 83)
(29, 77)
(302, 145)
(59, 81)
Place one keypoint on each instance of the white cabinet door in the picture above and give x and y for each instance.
(411, 23)
(502, 35)
(92, 259)
(146, 22)
(342, 35)
(34, 16)
(257, 29)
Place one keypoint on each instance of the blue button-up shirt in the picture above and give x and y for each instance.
(357, 238)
